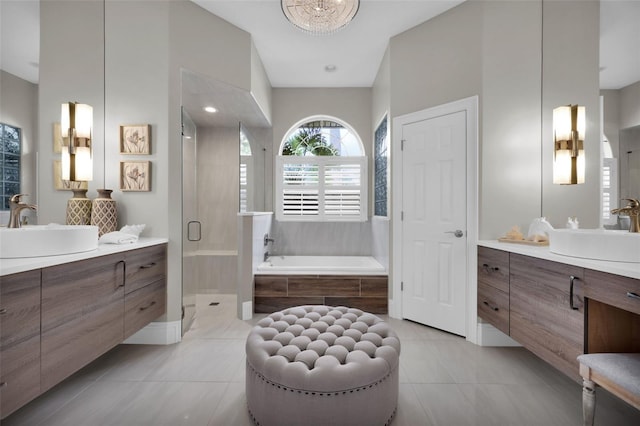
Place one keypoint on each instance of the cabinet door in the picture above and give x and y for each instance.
(493, 268)
(145, 266)
(544, 318)
(82, 314)
(19, 340)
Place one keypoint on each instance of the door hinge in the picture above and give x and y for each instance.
(401, 285)
(402, 144)
(402, 216)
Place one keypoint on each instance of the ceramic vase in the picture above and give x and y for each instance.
(104, 214)
(79, 208)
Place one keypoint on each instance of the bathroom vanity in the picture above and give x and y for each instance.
(559, 307)
(59, 313)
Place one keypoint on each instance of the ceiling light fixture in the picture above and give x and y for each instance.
(330, 68)
(210, 109)
(320, 17)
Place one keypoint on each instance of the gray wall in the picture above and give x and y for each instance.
(218, 184)
(490, 49)
(570, 73)
(142, 83)
(630, 106)
(494, 49)
(19, 108)
(353, 105)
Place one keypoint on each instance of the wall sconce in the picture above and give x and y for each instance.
(568, 135)
(76, 123)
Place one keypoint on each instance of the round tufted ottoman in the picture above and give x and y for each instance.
(322, 365)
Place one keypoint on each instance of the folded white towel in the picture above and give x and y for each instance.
(133, 229)
(118, 237)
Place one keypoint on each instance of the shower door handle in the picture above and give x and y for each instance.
(195, 225)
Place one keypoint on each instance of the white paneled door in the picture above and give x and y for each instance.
(434, 212)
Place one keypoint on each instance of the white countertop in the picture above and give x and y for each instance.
(12, 266)
(631, 270)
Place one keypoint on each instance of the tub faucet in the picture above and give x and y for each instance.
(16, 205)
(268, 240)
(632, 210)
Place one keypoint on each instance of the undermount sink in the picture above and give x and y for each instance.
(47, 240)
(597, 244)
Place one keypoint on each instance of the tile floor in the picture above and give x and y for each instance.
(443, 381)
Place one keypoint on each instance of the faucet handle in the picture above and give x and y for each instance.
(15, 198)
(633, 202)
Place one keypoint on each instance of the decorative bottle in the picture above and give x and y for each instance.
(104, 214)
(79, 208)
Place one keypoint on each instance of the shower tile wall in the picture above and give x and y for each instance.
(322, 239)
(218, 201)
(380, 237)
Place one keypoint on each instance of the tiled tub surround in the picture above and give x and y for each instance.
(276, 292)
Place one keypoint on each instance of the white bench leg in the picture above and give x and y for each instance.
(588, 402)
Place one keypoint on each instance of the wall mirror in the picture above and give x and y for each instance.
(620, 104)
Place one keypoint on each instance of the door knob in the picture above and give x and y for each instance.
(457, 233)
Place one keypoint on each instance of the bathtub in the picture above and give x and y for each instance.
(355, 281)
(321, 265)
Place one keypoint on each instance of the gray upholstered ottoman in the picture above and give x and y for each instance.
(322, 365)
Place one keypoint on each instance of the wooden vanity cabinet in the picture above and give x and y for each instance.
(546, 314)
(82, 314)
(19, 340)
(493, 287)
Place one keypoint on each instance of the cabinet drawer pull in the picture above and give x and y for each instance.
(148, 265)
(493, 308)
(144, 308)
(3, 311)
(633, 295)
(124, 272)
(572, 279)
(490, 268)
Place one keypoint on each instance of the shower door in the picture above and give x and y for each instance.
(191, 226)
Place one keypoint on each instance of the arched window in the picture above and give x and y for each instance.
(321, 173)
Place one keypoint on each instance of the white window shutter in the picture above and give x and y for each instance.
(321, 188)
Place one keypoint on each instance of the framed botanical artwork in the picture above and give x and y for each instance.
(135, 139)
(135, 176)
(65, 185)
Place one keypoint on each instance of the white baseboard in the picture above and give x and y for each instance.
(488, 335)
(247, 310)
(158, 333)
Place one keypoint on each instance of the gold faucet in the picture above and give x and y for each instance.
(16, 205)
(633, 211)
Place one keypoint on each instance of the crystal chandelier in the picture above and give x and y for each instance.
(320, 16)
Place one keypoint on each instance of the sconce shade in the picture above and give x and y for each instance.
(320, 17)
(76, 123)
(568, 134)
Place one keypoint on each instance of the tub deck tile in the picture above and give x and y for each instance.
(268, 285)
(374, 287)
(374, 305)
(324, 286)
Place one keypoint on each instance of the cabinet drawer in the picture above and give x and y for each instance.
(493, 307)
(493, 268)
(613, 290)
(20, 378)
(145, 266)
(143, 306)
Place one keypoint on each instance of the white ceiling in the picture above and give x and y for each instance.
(293, 58)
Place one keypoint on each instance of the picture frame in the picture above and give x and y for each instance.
(65, 185)
(135, 176)
(135, 139)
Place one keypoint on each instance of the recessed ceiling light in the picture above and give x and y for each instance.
(210, 109)
(330, 68)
